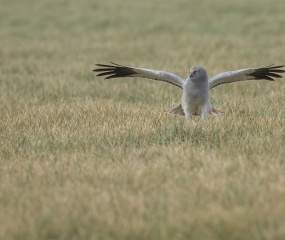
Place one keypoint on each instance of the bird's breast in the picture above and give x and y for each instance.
(195, 93)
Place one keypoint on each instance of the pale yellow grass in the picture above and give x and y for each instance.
(88, 158)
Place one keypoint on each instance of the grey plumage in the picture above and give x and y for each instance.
(195, 98)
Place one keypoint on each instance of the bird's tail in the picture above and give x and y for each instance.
(214, 111)
(178, 110)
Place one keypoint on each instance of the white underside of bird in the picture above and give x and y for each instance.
(195, 99)
(196, 87)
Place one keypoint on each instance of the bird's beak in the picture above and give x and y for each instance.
(191, 74)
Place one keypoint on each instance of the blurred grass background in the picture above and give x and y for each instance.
(88, 158)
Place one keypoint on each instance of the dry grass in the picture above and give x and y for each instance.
(85, 158)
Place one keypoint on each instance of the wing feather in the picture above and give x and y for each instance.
(267, 73)
(117, 71)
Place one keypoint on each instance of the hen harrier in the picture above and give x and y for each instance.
(195, 98)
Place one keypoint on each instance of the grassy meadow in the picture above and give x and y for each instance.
(86, 158)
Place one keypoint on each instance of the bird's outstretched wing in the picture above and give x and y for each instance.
(116, 71)
(267, 73)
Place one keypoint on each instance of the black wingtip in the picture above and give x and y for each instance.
(279, 66)
(268, 73)
(116, 64)
(103, 65)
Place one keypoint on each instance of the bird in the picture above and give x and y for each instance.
(196, 87)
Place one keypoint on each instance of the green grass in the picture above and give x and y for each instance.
(86, 158)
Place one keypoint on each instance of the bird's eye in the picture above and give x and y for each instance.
(195, 72)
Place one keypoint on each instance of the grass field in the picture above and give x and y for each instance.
(88, 158)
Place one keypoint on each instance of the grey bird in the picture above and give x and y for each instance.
(195, 99)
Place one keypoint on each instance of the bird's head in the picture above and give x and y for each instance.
(197, 73)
